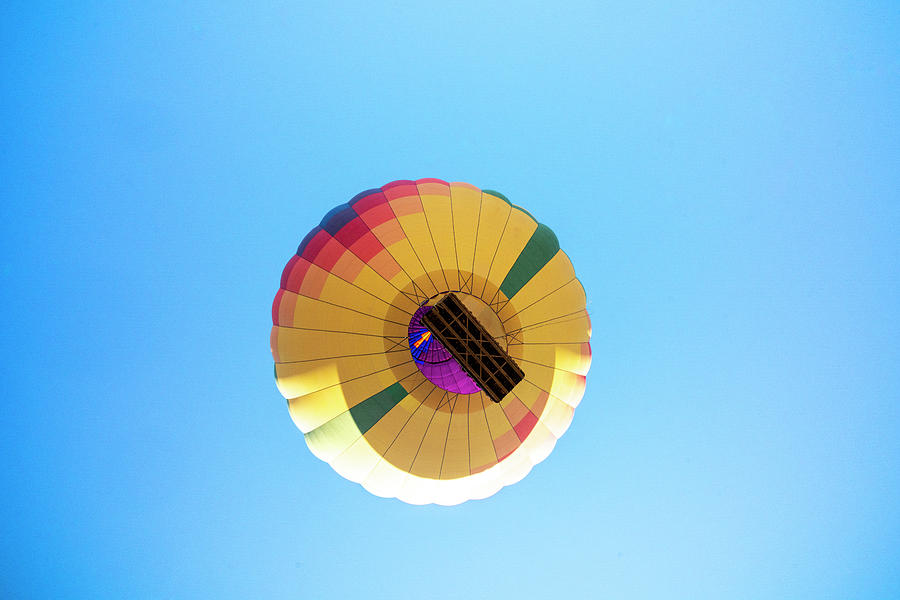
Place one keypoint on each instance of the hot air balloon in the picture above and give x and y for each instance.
(431, 340)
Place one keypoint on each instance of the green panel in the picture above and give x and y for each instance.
(369, 411)
(542, 246)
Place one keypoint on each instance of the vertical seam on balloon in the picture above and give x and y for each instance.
(453, 235)
(475, 248)
(539, 389)
(494, 256)
(425, 434)
(469, 432)
(488, 423)
(381, 457)
(447, 437)
(408, 419)
(431, 236)
(362, 436)
(499, 243)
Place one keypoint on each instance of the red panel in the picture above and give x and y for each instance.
(400, 189)
(330, 253)
(286, 273)
(293, 279)
(367, 247)
(315, 245)
(275, 304)
(524, 427)
(286, 310)
(398, 183)
(369, 202)
(351, 232)
(377, 215)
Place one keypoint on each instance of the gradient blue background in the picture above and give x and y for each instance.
(725, 179)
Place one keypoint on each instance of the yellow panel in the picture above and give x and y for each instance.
(338, 291)
(481, 445)
(567, 357)
(310, 313)
(362, 388)
(557, 272)
(529, 396)
(563, 301)
(405, 255)
(504, 437)
(299, 379)
(382, 435)
(371, 281)
(518, 231)
(405, 447)
(456, 456)
(436, 203)
(431, 453)
(491, 223)
(309, 376)
(296, 345)
(497, 421)
(320, 406)
(466, 201)
(564, 330)
(566, 386)
(417, 232)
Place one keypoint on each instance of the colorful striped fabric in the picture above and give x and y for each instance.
(375, 394)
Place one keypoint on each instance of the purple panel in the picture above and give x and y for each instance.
(434, 361)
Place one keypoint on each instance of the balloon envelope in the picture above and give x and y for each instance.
(375, 393)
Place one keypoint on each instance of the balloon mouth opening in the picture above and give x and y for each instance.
(434, 361)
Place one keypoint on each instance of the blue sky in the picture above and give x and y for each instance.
(724, 178)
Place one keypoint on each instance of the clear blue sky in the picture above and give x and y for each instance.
(725, 179)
